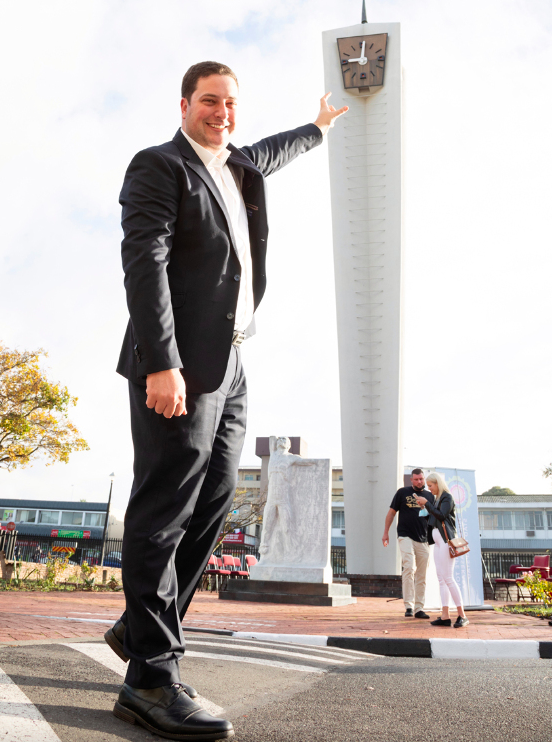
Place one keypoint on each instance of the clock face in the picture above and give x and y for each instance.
(362, 60)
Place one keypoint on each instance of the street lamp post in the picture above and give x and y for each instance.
(112, 477)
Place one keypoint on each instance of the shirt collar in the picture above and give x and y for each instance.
(206, 157)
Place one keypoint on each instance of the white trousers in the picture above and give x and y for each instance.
(444, 565)
(414, 558)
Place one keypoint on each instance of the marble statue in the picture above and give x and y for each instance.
(295, 544)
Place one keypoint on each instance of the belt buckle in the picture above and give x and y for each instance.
(238, 337)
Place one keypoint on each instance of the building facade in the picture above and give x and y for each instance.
(60, 518)
(515, 522)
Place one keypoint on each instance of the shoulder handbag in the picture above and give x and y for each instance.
(457, 546)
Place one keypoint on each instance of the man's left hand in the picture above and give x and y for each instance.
(328, 114)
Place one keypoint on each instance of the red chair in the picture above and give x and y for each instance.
(250, 561)
(214, 569)
(238, 571)
(509, 582)
(542, 564)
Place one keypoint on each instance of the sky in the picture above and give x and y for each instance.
(87, 85)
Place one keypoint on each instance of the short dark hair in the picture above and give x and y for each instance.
(417, 471)
(203, 69)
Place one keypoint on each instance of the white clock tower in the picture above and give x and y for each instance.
(362, 66)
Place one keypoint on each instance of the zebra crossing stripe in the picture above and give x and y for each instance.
(106, 656)
(266, 650)
(255, 661)
(20, 720)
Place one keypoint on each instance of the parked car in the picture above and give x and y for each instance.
(113, 559)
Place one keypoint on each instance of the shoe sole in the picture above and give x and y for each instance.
(112, 641)
(131, 717)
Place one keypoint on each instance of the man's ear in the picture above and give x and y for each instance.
(184, 107)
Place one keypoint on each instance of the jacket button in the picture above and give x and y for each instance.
(236, 277)
(229, 315)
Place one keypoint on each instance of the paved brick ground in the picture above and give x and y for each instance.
(30, 616)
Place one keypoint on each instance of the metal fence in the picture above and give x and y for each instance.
(35, 548)
(339, 560)
(8, 540)
(498, 563)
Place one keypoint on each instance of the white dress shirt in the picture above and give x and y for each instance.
(224, 180)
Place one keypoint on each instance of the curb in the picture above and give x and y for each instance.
(464, 649)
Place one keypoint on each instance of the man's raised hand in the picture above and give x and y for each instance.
(166, 392)
(328, 114)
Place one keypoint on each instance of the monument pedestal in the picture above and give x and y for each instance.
(299, 593)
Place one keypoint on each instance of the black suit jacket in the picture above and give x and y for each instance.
(182, 272)
(442, 511)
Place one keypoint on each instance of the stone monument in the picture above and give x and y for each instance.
(362, 65)
(296, 538)
(295, 551)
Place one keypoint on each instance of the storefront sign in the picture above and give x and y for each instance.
(234, 538)
(57, 533)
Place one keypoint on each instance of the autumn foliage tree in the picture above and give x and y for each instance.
(33, 413)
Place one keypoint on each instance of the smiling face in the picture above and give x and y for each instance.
(209, 118)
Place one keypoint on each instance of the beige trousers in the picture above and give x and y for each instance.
(414, 557)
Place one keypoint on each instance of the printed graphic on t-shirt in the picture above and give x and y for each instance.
(410, 523)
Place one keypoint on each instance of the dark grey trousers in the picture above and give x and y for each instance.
(185, 476)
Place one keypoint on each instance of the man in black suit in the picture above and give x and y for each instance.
(194, 250)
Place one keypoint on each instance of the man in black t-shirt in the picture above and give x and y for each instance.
(412, 535)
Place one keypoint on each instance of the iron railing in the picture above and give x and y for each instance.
(339, 560)
(35, 548)
(498, 563)
(8, 540)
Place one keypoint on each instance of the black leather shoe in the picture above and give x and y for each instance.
(115, 637)
(460, 622)
(169, 712)
(409, 613)
(420, 614)
(441, 622)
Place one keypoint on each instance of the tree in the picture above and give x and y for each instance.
(499, 491)
(33, 413)
(250, 506)
(547, 472)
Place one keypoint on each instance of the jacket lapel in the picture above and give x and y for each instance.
(195, 164)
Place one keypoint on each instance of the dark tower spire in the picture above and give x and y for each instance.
(364, 12)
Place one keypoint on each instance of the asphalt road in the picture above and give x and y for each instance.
(274, 692)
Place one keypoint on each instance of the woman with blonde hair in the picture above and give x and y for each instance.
(442, 527)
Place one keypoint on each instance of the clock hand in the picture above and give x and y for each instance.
(363, 48)
(359, 59)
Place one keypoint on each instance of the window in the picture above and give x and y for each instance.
(549, 514)
(495, 520)
(340, 478)
(249, 477)
(49, 516)
(26, 516)
(94, 519)
(258, 478)
(71, 519)
(529, 520)
(338, 519)
(487, 520)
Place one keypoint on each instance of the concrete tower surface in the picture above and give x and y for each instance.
(365, 157)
